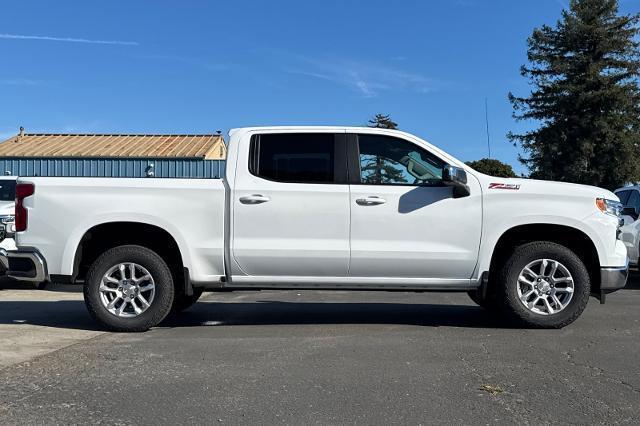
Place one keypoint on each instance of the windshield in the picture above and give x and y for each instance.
(7, 190)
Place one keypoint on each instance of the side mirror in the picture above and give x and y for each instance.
(630, 211)
(457, 178)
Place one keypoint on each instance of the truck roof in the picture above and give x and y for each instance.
(347, 129)
(314, 129)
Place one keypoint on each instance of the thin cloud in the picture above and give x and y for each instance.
(365, 89)
(68, 39)
(368, 80)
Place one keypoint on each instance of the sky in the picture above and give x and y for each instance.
(197, 66)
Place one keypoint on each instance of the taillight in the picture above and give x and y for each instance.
(23, 190)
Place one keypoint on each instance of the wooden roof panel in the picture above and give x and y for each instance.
(111, 145)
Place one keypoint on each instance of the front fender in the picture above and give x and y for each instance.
(598, 228)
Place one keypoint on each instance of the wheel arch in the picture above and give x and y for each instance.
(575, 239)
(104, 236)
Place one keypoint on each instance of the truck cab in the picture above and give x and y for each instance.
(349, 209)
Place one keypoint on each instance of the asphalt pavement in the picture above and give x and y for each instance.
(317, 358)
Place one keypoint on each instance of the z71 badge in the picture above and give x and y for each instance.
(504, 186)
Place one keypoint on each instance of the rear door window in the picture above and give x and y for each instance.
(298, 157)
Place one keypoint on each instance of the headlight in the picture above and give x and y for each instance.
(614, 208)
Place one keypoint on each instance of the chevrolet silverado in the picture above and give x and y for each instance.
(321, 208)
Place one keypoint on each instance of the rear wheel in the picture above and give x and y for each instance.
(543, 285)
(129, 288)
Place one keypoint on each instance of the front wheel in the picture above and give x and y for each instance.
(129, 288)
(543, 285)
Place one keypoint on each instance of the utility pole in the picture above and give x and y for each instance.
(486, 119)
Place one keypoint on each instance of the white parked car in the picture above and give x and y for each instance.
(322, 208)
(7, 211)
(630, 231)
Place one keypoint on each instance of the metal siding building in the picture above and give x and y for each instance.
(160, 156)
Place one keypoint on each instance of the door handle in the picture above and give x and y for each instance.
(254, 199)
(371, 200)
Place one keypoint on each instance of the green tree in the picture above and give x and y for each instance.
(375, 168)
(492, 167)
(585, 97)
(382, 121)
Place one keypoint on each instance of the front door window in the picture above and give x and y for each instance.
(387, 160)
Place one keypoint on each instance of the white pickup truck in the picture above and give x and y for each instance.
(321, 208)
(630, 230)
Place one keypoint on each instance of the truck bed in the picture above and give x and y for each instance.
(63, 210)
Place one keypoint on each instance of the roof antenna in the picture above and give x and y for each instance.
(20, 135)
(486, 119)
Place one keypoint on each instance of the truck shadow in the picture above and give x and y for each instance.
(68, 314)
(422, 196)
(72, 314)
(308, 313)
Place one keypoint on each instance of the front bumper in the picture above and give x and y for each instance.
(24, 265)
(612, 279)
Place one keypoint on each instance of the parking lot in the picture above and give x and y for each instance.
(317, 357)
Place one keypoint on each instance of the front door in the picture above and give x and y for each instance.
(291, 207)
(404, 222)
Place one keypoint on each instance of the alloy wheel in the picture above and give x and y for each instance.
(545, 286)
(127, 290)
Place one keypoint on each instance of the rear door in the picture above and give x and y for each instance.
(291, 206)
(405, 222)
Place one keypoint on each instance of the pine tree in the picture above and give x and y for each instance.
(584, 73)
(377, 169)
(382, 121)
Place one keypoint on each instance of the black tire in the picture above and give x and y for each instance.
(507, 283)
(182, 302)
(164, 289)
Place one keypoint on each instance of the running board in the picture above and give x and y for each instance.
(345, 283)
